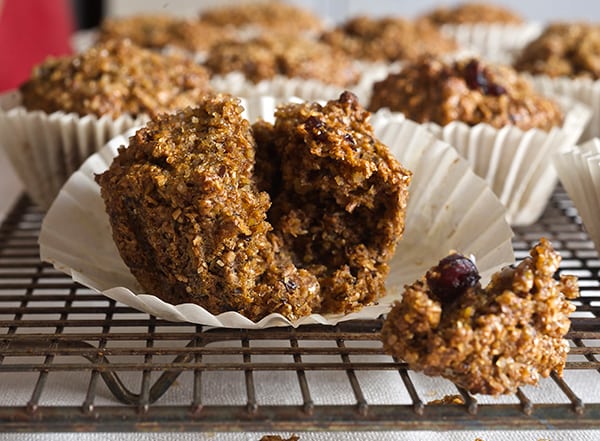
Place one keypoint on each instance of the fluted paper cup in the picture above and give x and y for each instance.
(282, 87)
(450, 208)
(517, 163)
(498, 43)
(579, 172)
(45, 149)
(584, 90)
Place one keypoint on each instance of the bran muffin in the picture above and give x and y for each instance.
(465, 13)
(264, 57)
(563, 49)
(270, 16)
(115, 78)
(160, 31)
(192, 218)
(488, 340)
(388, 39)
(467, 90)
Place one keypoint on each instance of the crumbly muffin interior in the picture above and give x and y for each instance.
(488, 340)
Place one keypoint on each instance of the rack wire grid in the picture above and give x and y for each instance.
(72, 359)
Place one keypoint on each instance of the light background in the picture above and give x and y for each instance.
(338, 10)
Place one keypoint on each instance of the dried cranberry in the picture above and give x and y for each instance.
(452, 276)
(496, 90)
(348, 137)
(316, 128)
(476, 79)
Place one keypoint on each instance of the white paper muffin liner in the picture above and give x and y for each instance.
(45, 149)
(494, 42)
(517, 163)
(450, 208)
(579, 173)
(585, 90)
(284, 87)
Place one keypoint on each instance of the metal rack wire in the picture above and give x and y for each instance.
(72, 359)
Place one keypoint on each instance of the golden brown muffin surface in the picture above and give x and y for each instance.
(388, 39)
(115, 78)
(264, 57)
(189, 221)
(192, 219)
(159, 31)
(468, 90)
(468, 13)
(488, 340)
(563, 49)
(272, 16)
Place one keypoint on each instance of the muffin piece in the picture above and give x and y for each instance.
(468, 90)
(159, 31)
(339, 197)
(563, 49)
(190, 223)
(388, 39)
(469, 13)
(264, 57)
(115, 78)
(488, 340)
(272, 16)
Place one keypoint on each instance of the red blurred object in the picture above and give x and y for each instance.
(30, 31)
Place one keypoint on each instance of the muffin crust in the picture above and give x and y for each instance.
(115, 78)
(563, 49)
(468, 90)
(388, 39)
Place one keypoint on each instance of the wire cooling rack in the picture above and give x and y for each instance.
(74, 360)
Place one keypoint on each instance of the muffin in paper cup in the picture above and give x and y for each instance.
(450, 208)
(579, 172)
(584, 90)
(45, 149)
(516, 163)
(494, 42)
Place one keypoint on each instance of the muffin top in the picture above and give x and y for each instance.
(272, 16)
(388, 39)
(469, 13)
(265, 56)
(563, 49)
(114, 78)
(468, 90)
(158, 31)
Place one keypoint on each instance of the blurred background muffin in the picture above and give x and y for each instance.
(495, 118)
(265, 57)
(494, 31)
(565, 60)
(158, 31)
(388, 39)
(72, 105)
